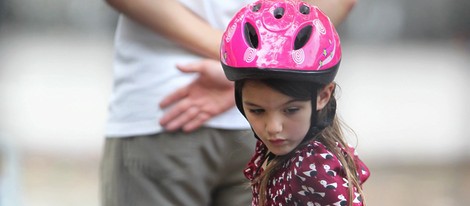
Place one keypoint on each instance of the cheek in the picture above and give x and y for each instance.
(298, 130)
(301, 125)
(252, 120)
(255, 123)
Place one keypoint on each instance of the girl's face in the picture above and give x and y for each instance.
(280, 121)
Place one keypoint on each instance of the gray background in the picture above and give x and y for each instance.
(404, 91)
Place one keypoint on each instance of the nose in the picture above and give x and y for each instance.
(274, 125)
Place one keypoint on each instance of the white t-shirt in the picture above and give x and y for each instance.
(145, 72)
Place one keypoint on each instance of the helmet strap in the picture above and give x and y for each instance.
(318, 123)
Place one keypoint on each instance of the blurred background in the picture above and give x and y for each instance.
(404, 90)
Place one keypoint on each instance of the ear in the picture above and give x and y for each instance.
(324, 95)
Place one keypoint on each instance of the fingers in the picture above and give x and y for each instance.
(179, 108)
(197, 107)
(196, 122)
(182, 92)
(174, 97)
(188, 120)
(191, 67)
(177, 117)
(199, 101)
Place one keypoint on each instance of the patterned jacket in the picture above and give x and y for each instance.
(313, 177)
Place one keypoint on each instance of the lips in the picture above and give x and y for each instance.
(277, 141)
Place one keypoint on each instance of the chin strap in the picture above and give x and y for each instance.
(330, 114)
(319, 123)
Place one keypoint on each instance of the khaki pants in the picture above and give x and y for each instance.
(203, 168)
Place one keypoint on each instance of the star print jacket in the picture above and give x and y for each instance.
(313, 177)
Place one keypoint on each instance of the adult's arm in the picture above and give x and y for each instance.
(173, 21)
(337, 10)
(177, 23)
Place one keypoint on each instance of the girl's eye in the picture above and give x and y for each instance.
(256, 111)
(291, 110)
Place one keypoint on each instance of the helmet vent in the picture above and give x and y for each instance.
(302, 37)
(304, 9)
(251, 36)
(278, 12)
(256, 7)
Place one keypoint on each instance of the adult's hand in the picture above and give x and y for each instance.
(207, 96)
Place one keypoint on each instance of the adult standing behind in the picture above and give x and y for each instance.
(193, 151)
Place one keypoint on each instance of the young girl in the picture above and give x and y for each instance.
(283, 57)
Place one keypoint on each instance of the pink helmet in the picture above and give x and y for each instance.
(287, 39)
